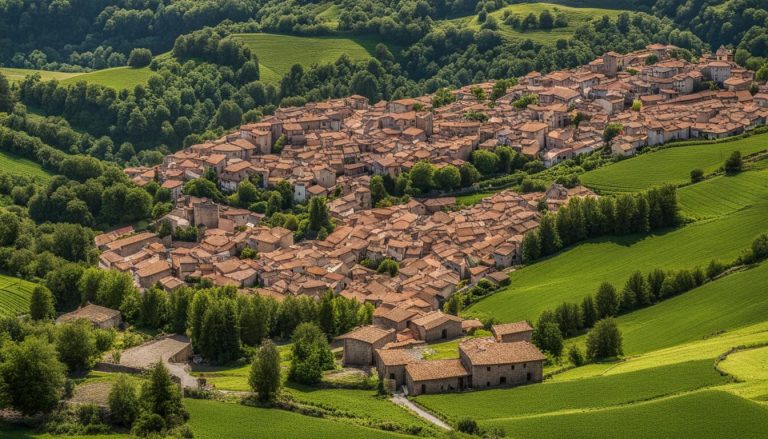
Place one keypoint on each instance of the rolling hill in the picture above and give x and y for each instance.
(117, 77)
(13, 164)
(14, 295)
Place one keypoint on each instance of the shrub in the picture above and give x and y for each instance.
(468, 426)
(734, 163)
(604, 340)
(575, 355)
(140, 58)
(697, 175)
(147, 424)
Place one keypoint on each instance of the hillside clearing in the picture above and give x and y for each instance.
(574, 273)
(671, 165)
(16, 165)
(278, 53)
(723, 194)
(18, 75)
(117, 78)
(211, 419)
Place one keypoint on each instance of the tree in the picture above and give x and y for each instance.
(365, 84)
(76, 344)
(311, 354)
(612, 130)
(697, 175)
(9, 228)
(550, 239)
(604, 340)
(531, 247)
(389, 266)
(469, 174)
(6, 97)
(319, 217)
(228, 115)
(140, 57)
(154, 307)
(637, 288)
(575, 355)
(161, 396)
(247, 193)
(32, 374)
(378, 189)
(219, 339)
(606, 301)
(546, 19)
(123, 401)
(734, 163)
(447, 178)
(588, 311)
(265, 372)
(41, 304)
(548, 337)
(486, 162)
(569, 320)
(422, 176)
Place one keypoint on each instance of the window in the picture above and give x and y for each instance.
(445, 333)
(488, 384)
(503, 380)
(513, 367)
(391, 376)
(488, 368)
(525, 365)
(423, 388)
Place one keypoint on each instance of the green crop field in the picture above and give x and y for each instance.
(117, 78)
(213, 420)
(670, 165)
(14, 295)
(581, 394)
(702, 415)
(572, 274)
(722, 195)
(731, 302)
(18, 75)
(750, 365)
(278, 53)
(13, 164)
(577, 16)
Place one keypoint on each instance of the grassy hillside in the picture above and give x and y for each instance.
(572, 274)
(576, 17)
(213, 420)
(706, 414)
(17, 75)
(722, 195)
(117, 78)
(14, 164)
(14, 295)
(278, 53)
(671, 165)
(589, 393)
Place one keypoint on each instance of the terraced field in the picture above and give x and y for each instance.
(577, 16)
(13, 164)
(671, 165)
(722, 195)
(14, 295)
(570, 275)
(214, 420)
(278, 53)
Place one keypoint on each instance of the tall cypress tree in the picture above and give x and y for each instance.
(550, 239)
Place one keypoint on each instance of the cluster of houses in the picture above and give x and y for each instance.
(333, 148)
(392, 345)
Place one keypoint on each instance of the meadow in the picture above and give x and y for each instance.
(278, 53)
(14, 295)
(576, 272)
(13, 164)
(213, 420)
(117, 77)
(577, 15)
(707, 414)
(723, 194)
(671, 165)
(18, 75)
(588, 393)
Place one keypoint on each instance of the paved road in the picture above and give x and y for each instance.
(401, 400)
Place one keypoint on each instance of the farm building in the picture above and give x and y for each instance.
(501, 364)
(436, 326)
(436, 376)
(359, 344)
(391, 363)
(396, 318)
(100, 316)
(512, 332)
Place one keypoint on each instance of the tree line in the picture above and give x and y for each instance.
(589, 217)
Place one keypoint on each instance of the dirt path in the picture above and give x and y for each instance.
(401, 400)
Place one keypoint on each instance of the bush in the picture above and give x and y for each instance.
(575, 355)
(140, 58)
(468, 426)
(147, 424)
(734, 163)
(604, 340)
(697, 175)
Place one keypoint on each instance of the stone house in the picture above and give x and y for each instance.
(360, 344)
(99, 316)
(152, 273)
(501, 364)
(512, 332)
(396, 318)
(436, 326)
(390, 363)
(436, 376)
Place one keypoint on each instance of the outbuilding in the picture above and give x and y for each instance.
(360, 344)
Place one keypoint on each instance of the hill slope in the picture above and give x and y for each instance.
(14, 295)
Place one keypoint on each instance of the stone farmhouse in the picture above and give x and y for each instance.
(99, 316)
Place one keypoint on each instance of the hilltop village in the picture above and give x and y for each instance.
(333, 149)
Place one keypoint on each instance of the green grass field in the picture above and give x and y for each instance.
(213, 420)
(577, 16)
(18, 75)
(278, 53)
(117, 78)
(16, 165)
(581, 394)
(722, 195)
(14, 295)
(572, 274)
(670, 165)
(702, 415)
(750, 365)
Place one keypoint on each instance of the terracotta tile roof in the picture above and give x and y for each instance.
(486, 351)
(436, 370)
(397, 357)
(511, 328)
(435, 319)
(368, 334)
